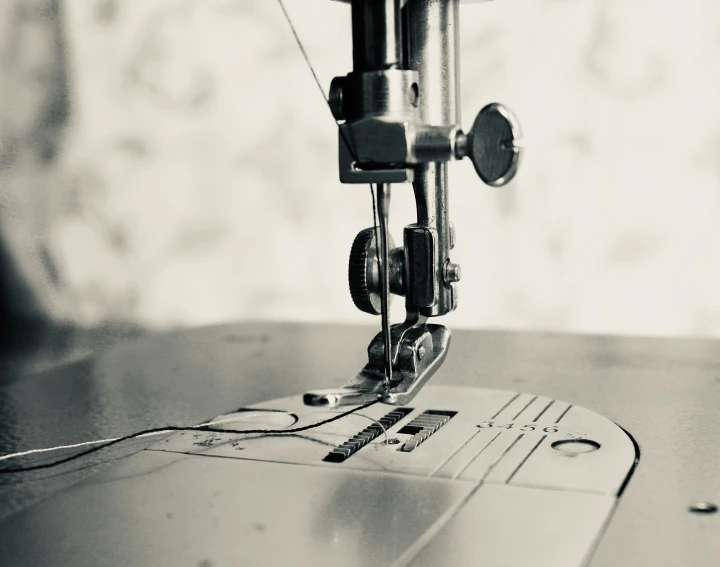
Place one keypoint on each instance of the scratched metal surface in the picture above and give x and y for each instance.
(665, 392)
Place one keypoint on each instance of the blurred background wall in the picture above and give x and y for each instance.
(171, 163)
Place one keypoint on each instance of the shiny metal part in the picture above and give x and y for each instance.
(336, 397)
(342, 452)
(349, 516)
(432, 43)
(493, 145)
(380, 144)
(421, 251)
(464, 496)
(415, 371)
(435, 143)
(461, 423)
(451, 272)
(401, 113)
(383, 126)
(364, 272)
(410, 371)
(350, 172)
(377, 34)
(423, 426)
(383, 209)
(387, 93)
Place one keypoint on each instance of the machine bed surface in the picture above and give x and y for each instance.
(665, 392)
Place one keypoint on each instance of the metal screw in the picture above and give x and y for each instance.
(451, 273)
(335, 98)
(393, 441)
(461, 145)
(703, 508)
(420, 352)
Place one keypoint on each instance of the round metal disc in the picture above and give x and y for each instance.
(492, 145)
(364, 272)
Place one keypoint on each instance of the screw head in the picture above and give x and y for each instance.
(335, 98)
(421, 353)
(703, 508)
(393, 441)
(451, 272)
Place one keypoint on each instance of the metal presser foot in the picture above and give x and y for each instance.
(398, 117)
(418, 350)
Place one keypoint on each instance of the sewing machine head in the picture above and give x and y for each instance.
(399, 122)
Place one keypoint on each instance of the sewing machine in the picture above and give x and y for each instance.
(463, 471)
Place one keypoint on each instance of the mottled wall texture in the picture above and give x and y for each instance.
(172, 163)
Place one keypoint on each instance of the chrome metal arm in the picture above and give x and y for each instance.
(400, 123)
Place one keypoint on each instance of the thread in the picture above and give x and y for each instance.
(160, 430)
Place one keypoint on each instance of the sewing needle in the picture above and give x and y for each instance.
(383, 206)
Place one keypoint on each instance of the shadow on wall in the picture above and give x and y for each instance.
(33, 119)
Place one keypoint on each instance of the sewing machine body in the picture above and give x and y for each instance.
(165, 507)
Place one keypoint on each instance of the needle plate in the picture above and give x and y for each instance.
(507, 479)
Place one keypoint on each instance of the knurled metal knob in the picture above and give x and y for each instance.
(364, 272)
(493, 145)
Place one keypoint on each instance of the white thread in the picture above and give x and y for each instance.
(377, 423)
(58, 448)
(99, 441)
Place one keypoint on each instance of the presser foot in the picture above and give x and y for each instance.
(417, 354)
